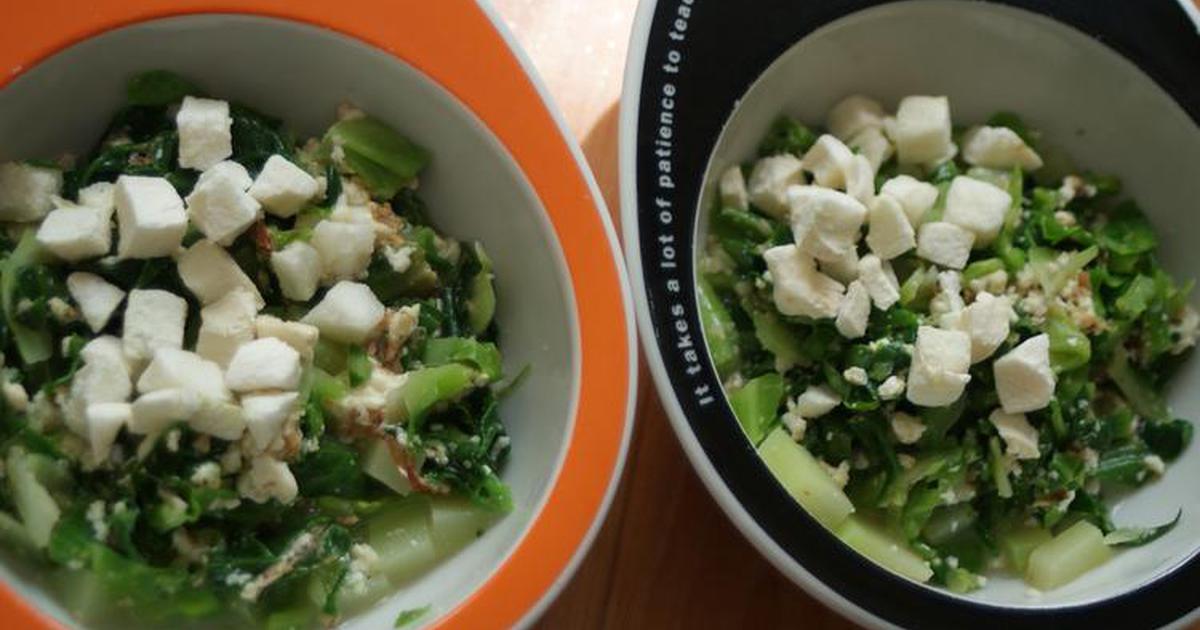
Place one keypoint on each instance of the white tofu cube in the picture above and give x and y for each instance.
(860, 179)
(854, 114)
(890, 234)
(915, 196)
(344, 248)
(302, 337)
(816, 401)
(223, 420)
(76, 233)
(267, 479)
(1024, 379)
(27, 192)
(873, 145)
(282, 187)
(263, 364)
(880, 281)
(298, 269)
(829, 161)
(987, 322)
(210, 273)
(1020, 438)
(105, 350)
(907, 428)
(977, 206)
(854, 311)
(769, 182)
(104, 377)
(265, 415)
(150, 217)
(732, 187)
(844, 268)
(892, 387)
(799, 289)
(172, 368)
(100, 195)
(153, 319)
(826, 223)
(922, 130)
(96, 298)
(155, 411)
(998, 147)
(205, 132)
(225, 325)
(349, 313)
(940, 361)
(221, 208)
(945, 244)
(104, 421)
(230, 170)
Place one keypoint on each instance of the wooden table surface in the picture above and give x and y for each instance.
(666, 556)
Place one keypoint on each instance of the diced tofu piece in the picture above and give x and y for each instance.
(825, 223)
(104, 421)
(922, 130)
(268, 479)
(205, 132)
(769, 182)
(880, 281)
(225, 325)
(155, 411)
(986, 321)
(733, 189)
(799, 289)
(265, 415)
(349, 313)
(282, 187)
(892, 387)
(844, 268)
(173, 368)
(977, 206)
(1024, 379)
(854, 114)
(854, 311)
(97, 299)
(344, 248)
(907, 428)
(829, 161)
(860, 179)
(221, 208)
(890, 233)
(998, 147)
(150, 217)
(153, 319)
(940, 361)
(27, 192)
(223, 420)
(100, 195)
(945, 244)
(104, 377)
(873, 145)
(76, 233)
(210, 273)
(915, 196)
(298, 269)
(816, 401)
(1020, 438)
(107, 350)
(228, 169)
(302, 337)
(263, 364)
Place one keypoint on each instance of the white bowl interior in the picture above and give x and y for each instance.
(1085, 98)
(473, 188)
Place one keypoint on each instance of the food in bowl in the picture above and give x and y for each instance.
(960, 389)
(275, 402)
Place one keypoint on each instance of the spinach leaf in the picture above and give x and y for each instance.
(158, 87)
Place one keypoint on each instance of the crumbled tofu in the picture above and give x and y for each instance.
(880, 281)
(986, 320)
(1184, 329)
(400, 258)
(298, 269)
(922, 130)
(873, 145)
(840, 474)
(223, 420)
(221, 208)
(349, 313)
(1020, 438)
(829, 160)
(104, 421)
(100, 195)
(816, 401)
(907, 428)
(302, 337)
(1024, 379)
(151, 221)
(825, 223)
(993, 283)
(799, 289)
(854, 114)
(206, 475)
(172, 368)
(946, 307)
(263, 364)
(230, 170)
(205, 132)
(892, 387)
(796, 425)
(854, 311)
(96, 298)
(998, 147)
(265, 415)
(267, 479)
(733, 189)
(915, 196)
(769, 181)
(1155, 464)
(225, 325)
(282, 187)
(940, 361)
(153, 319)
(371, 396)
(344, 248)
(104, 377)
(76, 233)
(855, 376)
(153, 412)
(210, 273)
(977, 206)
(945, 244)
(844, 268)
(860, 179)
(27, 192)
(890, 233)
